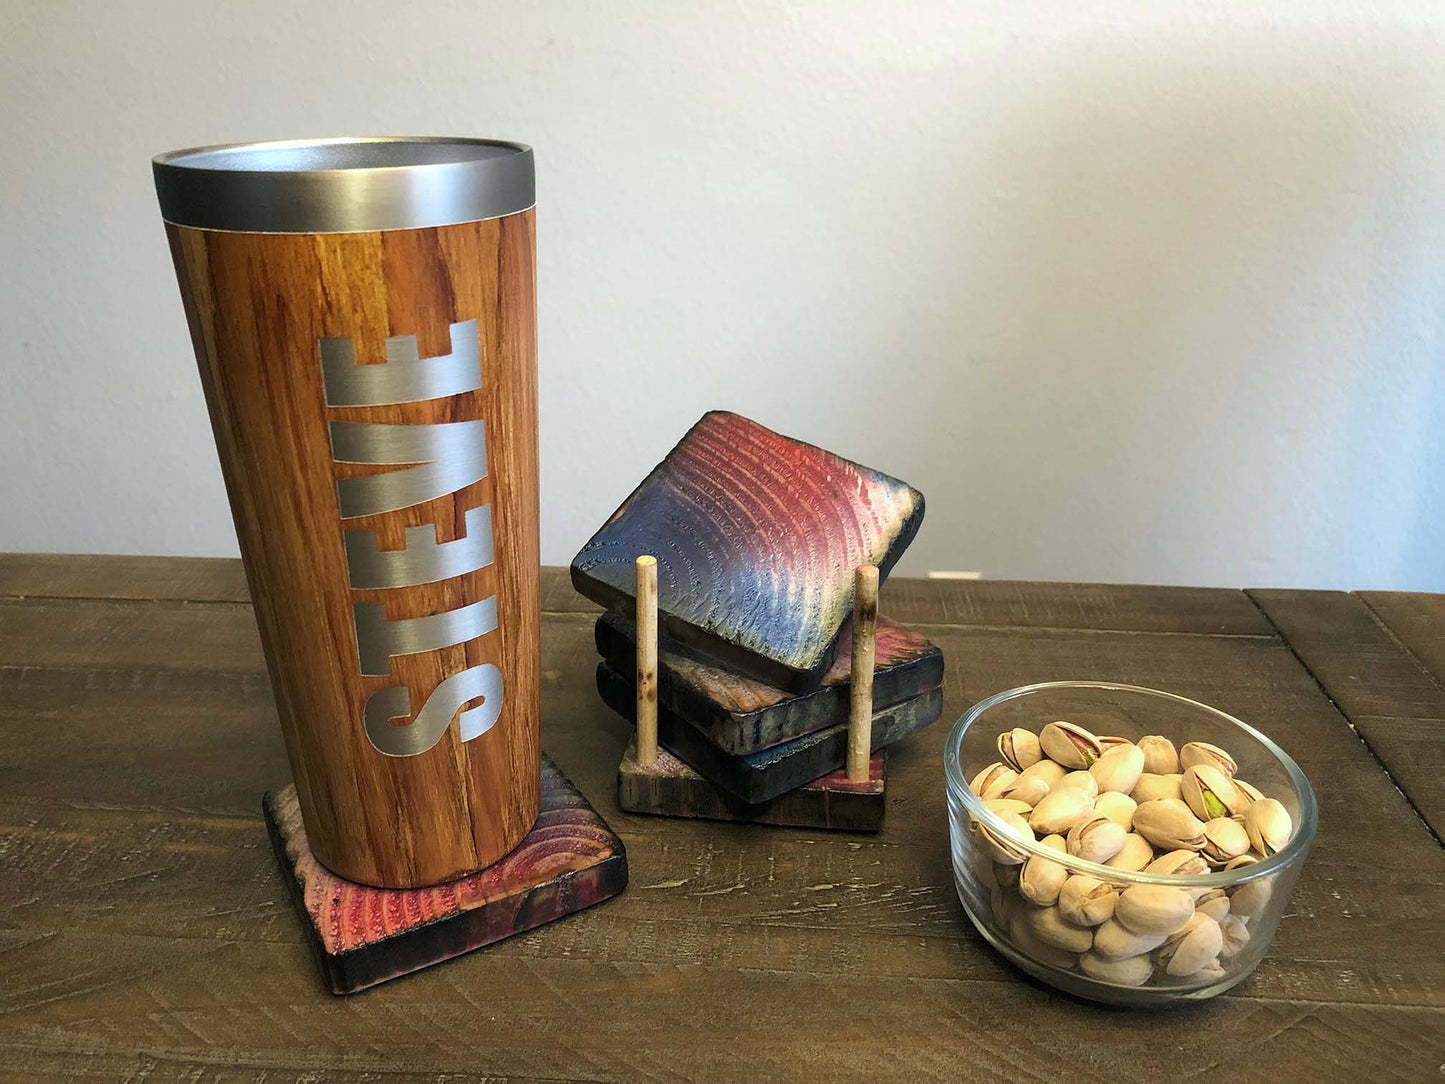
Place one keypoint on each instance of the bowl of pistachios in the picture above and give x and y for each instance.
(1123, 844)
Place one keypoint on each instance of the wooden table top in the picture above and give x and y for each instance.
(147, 932)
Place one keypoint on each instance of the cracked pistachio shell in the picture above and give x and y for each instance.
(1009, 805)
(1002, 903)
(1115, 941)
(1029, 789)
(1119, 808)
(1111, 741)
(1201, 752)
(1160, 756)
(1063, 808)
(981, 862)
(1153, 787)
(1130, 971)
(1182, 861)
(1087, 901)
(1007, 875)
(1070, 745)
(1209, 793)
(1235, 934)
(1192, 947)
(1154, 908)
(1248, 899)
(1224, 839)
(1050, 927)
(1040, 879)
(1046, 770)
(1003, 847)
(1268, 825)
(993, 780)
(1097, 839)
(1134, 855)
(1213, 903)
(1019, 748)
(1029, 944)
(1168, 824)
(1079, 781)
(1249, 790)
(1118, 769)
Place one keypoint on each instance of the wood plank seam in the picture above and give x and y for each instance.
(1380, 621)
(1324, 691)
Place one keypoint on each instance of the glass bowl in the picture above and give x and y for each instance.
(989, 856)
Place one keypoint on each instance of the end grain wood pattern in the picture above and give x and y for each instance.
(669, 788)
(362, 936)
(742, 716)
(763, 776)
(757, 538)
(258, 307)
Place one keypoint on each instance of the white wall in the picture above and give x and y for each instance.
(1148, 292)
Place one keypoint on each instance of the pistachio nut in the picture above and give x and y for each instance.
(1153, 787)
(1028, 788)
(1242, 861)
(1213, 971)
(1029, 944)
(1248, 899)
(1201, 752)
(1087, 901)
(1134, 855)
(1111, 741)
(1070, 745)
(1208, 791)
(1250, 790)
(1268, 825)
(1130, 971)
(1160, 757)
(1003, 847)
(1119, 808)
(1154, 908)
(993, 780)
(1097, 839)
(1040, 879)
(1002, 903)
(1183, 861)
(1235, 933)
(981, 861)
(1046, 770)
(1118, 769)
(1224, 839)
(1050, 927)
(1190, 948)
(1167, 823)
(1213, 903)
(1007, 874)
(1061, 810)
(1019, 748)
(1115, 941)
(1080, 781)
(1007, 805)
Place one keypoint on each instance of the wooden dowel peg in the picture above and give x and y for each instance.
(860, 715)
(647, 661)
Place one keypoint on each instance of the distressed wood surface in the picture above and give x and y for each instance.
(1417, 621)
(1392, 700)
(757, 538)
(145, 928)
(769, 773)
(669, 788)
(363, 936)
(259, 307)
(742, 716)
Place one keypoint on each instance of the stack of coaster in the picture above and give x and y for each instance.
(757, 539)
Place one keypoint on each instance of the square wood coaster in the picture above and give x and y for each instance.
(769, 773)
(363, 935)
(670, 788)
(740, 715)
(757, 537)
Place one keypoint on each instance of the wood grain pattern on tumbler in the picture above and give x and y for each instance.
(373, 397)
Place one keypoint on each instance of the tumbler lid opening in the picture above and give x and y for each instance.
(344, 185)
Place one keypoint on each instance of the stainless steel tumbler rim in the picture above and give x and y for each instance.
(344, 185)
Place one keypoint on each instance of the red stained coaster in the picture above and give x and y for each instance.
(363, 935)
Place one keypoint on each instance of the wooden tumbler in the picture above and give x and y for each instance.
(364, 317)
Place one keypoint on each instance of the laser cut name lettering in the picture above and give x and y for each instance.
(432, 460)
